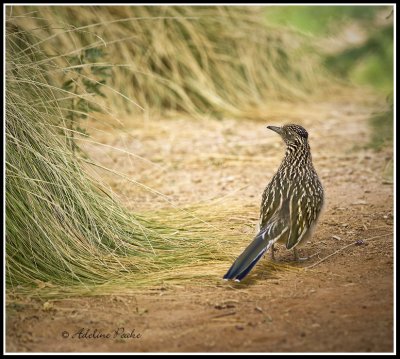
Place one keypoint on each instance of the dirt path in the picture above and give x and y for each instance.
(343, 304)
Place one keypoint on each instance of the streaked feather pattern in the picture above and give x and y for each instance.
(290, 205)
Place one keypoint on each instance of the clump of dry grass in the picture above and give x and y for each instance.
(211, 60)
(63, 227)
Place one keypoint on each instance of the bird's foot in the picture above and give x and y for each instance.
(273, 250)
(302, 259)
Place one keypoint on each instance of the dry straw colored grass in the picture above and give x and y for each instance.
(197, 59)
(62, 227)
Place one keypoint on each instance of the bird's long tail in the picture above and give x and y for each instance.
(248, 259)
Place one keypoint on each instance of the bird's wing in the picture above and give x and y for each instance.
(270, 202)
(277, 228)
(304, 209)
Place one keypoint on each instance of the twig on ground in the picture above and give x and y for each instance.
(343, 248)
(223, 315)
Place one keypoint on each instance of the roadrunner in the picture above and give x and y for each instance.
(290, 206)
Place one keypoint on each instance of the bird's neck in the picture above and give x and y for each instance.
(298, 155)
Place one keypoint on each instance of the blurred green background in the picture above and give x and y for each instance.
(364, 57)
(368, 57)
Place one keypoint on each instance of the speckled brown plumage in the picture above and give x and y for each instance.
(290, 205)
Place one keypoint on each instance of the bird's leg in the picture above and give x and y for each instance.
(272, 252)
(296, 256)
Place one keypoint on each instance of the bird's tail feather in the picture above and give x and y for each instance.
(248, 259)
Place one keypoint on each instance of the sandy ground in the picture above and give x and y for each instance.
(342, 304)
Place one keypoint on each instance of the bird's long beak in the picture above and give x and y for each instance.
(275, 128)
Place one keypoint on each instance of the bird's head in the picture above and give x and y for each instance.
(291, 134)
